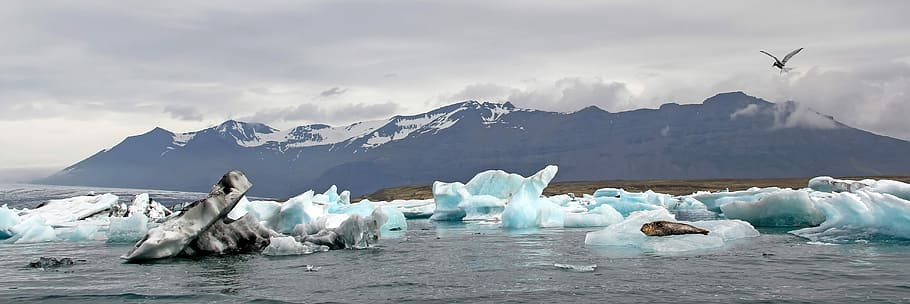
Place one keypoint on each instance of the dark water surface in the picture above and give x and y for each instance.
(438, 262)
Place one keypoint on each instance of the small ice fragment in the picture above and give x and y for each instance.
(576, 268)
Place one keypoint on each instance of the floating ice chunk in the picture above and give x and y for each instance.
(344, 198)
(830, 184)
(713, 200)
(728, 230)
(526, 209)
(627, 202)
(496, 183)
(8, 219)
(81, 232)
(265, 211)
(32, 229)
(127, 229)
(286, 245)
(785, 208)
(562, 200)
(447, 197)
(576, 268)
(482, 207)
(608, 192)
(299, 210)
(628, 234)
(624, 207)
(486, 195)
(395, 219)
(60, 211)
(140, 204)
(363, 208)
(896, 188)
(600, 216)
(864, 214)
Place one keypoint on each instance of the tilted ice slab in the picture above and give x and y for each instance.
(628, 234)
(175, 235)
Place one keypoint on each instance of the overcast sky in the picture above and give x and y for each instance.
(79, 76)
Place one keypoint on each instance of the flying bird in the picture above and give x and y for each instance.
(781, 63)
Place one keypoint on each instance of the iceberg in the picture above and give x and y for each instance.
(628, 234)
(60, 211)
(8, 219)
(353, 233)
(32, 229)
(830, 184)
(299, 210)
(287, 245)
(83, 231)
(600, 216)
(485, 196)
(860, 215)
(627, 202)
(447, 197)
(173, 236)
(527, 209)
(784, 208)
(127, 229)
(713, 200)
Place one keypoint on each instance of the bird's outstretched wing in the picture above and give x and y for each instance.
(769, 54)
(786, 58)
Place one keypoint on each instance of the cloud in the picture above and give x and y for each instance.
(308, 112)
(105, 64)
(183, 112)
(749, 110)
(333, 92)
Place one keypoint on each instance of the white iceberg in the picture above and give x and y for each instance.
(628, 234)
(60, 211)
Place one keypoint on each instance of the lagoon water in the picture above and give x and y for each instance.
(465, 262)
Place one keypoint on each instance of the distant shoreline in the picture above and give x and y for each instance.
(668, 186)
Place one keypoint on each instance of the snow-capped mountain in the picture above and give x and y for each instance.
(728, 135)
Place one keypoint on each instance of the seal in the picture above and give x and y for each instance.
(664, 228)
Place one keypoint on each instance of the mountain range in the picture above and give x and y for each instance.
(730, 135)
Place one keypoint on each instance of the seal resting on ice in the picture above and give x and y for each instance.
(664, 228)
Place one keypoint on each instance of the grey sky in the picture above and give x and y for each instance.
(78, 77)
